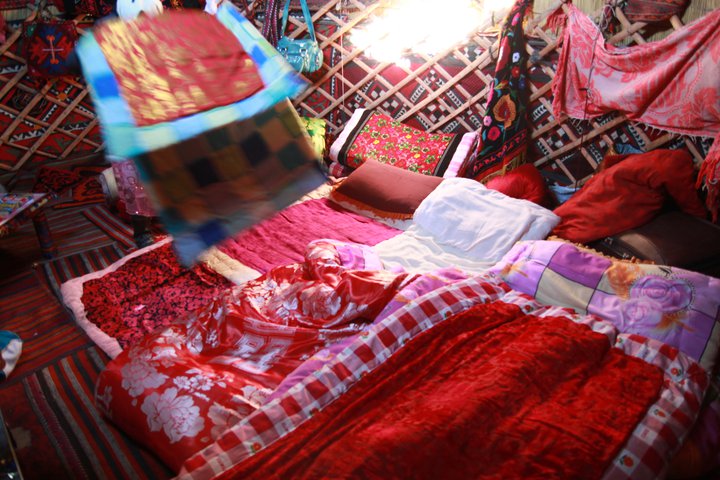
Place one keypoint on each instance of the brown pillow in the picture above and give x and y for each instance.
(384, 190)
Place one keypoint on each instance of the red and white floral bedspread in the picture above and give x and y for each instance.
(178, 389)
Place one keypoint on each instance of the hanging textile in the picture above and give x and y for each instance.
(653, 10)
(125, 135)
(503, 137)
(270, 28)
(670, 84)
(200, 104)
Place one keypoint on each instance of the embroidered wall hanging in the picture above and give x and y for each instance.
(503, 137)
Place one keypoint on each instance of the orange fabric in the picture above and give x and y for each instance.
(629, 194)
(176, 64)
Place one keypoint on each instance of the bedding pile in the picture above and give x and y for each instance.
(384, 398)
(559, 403)
(149, 288)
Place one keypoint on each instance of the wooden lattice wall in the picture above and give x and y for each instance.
(41, 121)
(448, 92)
(54, 120)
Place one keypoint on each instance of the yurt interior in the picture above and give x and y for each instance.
(352, 239)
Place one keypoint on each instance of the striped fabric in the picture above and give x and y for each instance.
(58, 271)
(56, 404)
(125, 139)
(111, 225)
(45, 327)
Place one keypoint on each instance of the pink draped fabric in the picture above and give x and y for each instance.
(671, 84)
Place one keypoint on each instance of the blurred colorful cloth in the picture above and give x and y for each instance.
(200, 104)
(213, 185)
(128, 133)
(175, 65)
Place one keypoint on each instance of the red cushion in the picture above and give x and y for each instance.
(524, 182)
(384, 190)
(629, 194)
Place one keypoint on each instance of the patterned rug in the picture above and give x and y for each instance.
(71, 231)
(47, 400)
(62, 269)
(111, 225)
(30, 310)
(60, 434)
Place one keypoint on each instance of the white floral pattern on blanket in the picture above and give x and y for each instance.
(180, 388)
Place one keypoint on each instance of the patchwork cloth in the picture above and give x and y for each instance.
(211, 186)
(670, 84)
(504, 134)
(125, 135)
(675, 306)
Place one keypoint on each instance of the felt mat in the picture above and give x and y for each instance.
(58, 431)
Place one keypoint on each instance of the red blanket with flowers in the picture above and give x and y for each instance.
(178, 389)
(489, 393)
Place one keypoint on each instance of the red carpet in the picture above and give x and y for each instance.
(47, 401)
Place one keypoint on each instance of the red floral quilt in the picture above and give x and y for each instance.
(177, 390)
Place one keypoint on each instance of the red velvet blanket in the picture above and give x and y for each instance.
(489, 393)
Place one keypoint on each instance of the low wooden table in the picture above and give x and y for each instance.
(18, 208)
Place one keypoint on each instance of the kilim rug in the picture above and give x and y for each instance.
(30, 310)
(62, 269)
(111, 225)
(71, 231)
(59, 434)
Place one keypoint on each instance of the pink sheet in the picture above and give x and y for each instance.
(282, 238)
(670, 84)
